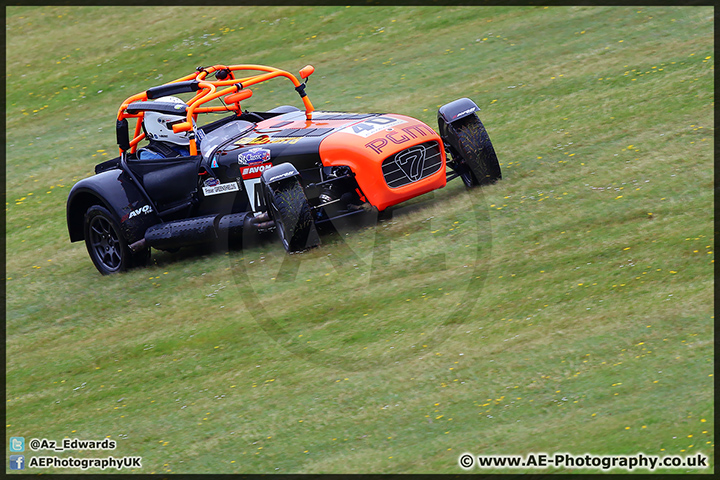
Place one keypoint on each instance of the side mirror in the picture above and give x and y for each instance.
(306, 71)
(239, 96)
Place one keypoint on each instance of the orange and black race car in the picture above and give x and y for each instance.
(285, 169)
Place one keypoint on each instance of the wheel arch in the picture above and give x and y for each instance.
(278, 173)
(114, 191)
(76, 208)
(455, 110)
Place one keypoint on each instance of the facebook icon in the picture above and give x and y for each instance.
(17, 462)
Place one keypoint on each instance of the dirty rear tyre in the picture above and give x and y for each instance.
(291, 212)
(477, 152)
(106, 245)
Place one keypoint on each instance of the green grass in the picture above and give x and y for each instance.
(567, 308)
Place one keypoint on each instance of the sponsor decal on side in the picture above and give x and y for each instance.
(138, 211)
(254, 171)
(221, 188)
(211, 182)
(264, 139)
(214, 163)
(372, 126)
(254, 155)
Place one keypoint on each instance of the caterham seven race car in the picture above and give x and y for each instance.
(285, 170)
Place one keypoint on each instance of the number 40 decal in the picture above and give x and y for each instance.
(373, 126)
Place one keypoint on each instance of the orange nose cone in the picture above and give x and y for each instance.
(306, 71)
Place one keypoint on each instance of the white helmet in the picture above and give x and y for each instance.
(158, 126)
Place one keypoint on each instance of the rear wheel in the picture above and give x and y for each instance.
(291, 212)
(105, 244)
(478, 163)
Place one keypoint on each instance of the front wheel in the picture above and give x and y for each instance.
(291, 212)
(105, 244)
(478, 161)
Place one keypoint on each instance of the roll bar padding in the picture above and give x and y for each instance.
(172, 89)
(168, 108)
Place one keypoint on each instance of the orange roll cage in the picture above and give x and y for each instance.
(225, 85)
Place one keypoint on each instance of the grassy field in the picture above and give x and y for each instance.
(568, 308)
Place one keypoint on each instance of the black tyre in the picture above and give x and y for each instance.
(290, 210)
(478, 163)
(106, 246)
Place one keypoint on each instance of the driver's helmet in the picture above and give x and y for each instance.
(158, 126)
